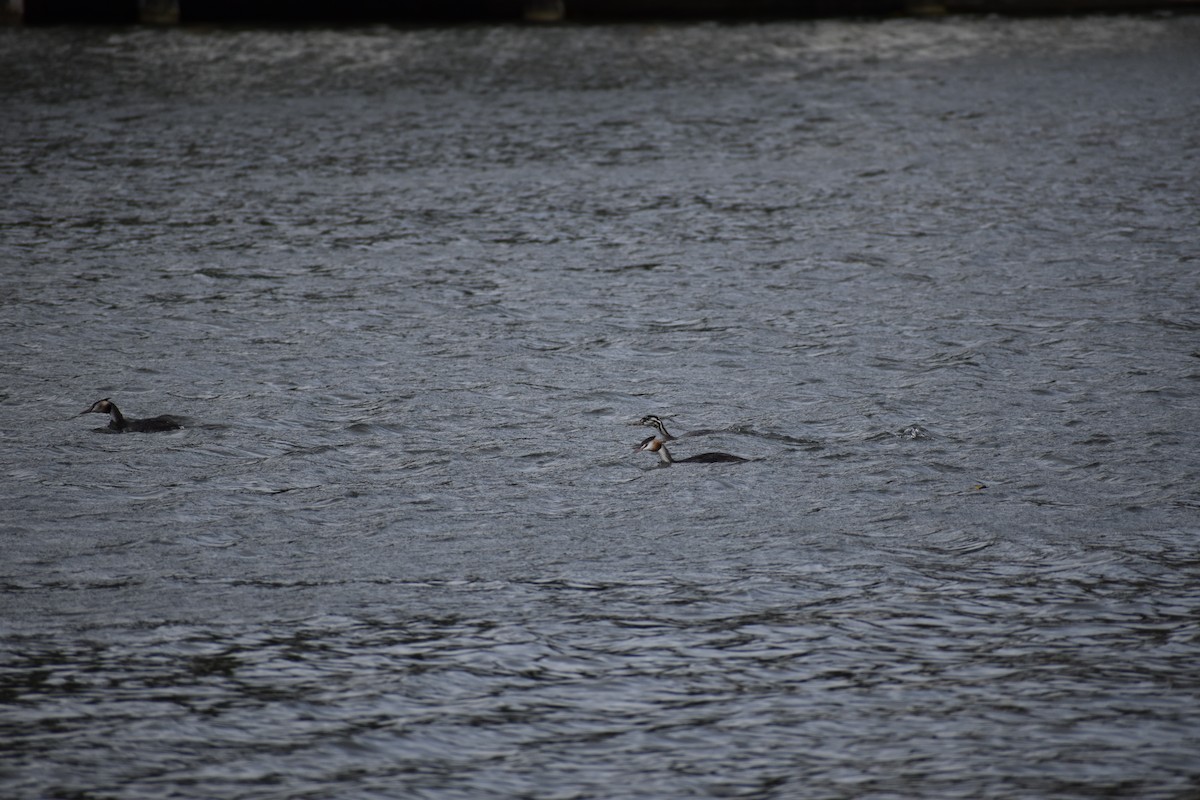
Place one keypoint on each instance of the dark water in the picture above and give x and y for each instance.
(938, 278)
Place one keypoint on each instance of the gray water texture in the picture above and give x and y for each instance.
(938, 279)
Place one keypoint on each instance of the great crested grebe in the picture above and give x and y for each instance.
(653, 445)
(119, 423)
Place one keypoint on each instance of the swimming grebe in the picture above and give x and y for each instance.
(654, 445)
(119, 423)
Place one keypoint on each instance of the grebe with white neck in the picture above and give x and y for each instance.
(119, 423)
(655, 445)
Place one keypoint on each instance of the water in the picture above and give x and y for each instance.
(411, 286)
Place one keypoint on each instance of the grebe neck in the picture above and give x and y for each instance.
(107, 406)
(117, 422)
(655, 445)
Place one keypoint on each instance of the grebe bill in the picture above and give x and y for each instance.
(119, 423)
(654, 445)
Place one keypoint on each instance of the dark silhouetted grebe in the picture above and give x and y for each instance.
(119, 423)
(655, 445)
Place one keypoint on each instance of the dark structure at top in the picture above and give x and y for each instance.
(169, 12)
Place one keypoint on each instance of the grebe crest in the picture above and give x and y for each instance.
(117, 421)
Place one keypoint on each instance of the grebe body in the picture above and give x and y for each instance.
(656, 445)
(119, 423)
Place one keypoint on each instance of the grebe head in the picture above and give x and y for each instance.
(104, 406)
(652, 421)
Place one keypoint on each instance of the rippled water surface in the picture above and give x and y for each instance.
(410, 287)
